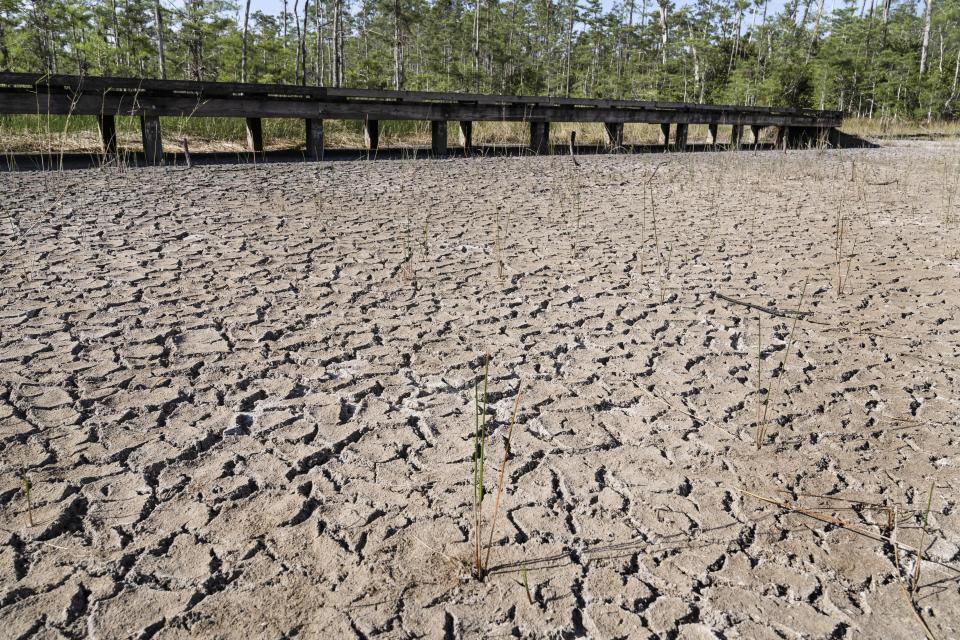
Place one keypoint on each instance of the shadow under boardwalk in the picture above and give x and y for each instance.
(89, 160)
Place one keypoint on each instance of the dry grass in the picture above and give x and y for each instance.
(78, 134)
(889, 128)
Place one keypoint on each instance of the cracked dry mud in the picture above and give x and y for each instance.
(244, 397)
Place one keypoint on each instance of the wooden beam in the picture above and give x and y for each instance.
(614, 131)
(680, 142)
(755, 134)
(466, 135)
(540, 137)
(108, 134)
(152, 140)
(255, 135)
(274, 107)
(665, 135)
(712, 134)
(783, 138)
(314, 128)
(736, 135)
(438, 138)
(141, 86)
(371, 134)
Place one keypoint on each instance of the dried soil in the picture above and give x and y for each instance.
(244, 396)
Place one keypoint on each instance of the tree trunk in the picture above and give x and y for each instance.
(664, 30)
(296, 23)
(303, 43)
(816, 30)
(956, 76)
(925, 45)
(476, 42)
(4, 51)
(116, 32)
(569, 48)
(243, 47)
(338, 44)
(398, 78)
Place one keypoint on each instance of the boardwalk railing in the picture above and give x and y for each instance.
(106, 98)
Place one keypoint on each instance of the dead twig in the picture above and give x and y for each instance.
(782, 313)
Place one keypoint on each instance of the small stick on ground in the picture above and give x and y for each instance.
(783, 313)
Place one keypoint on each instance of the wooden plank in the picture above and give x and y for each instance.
(152, 140)
(266, 107)
(255, 135)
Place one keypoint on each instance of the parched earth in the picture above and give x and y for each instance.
(243, 397)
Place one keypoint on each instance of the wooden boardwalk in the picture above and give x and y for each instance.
(107, 98)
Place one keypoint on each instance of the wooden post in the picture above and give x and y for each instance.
(438, 138)
(614, 132)
(755, 133)
(712, 135)
(255, 135)
(736, 135)
(466, 135)
(108, 134)
(540, 137)
(314, 138)
(665, 135)
(152, 139)
(783, 137)
(681, 137)
(371, 134)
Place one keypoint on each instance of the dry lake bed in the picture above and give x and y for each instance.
(239, 401)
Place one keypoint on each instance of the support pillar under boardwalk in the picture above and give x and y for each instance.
(255, 135)
(438, 138)
(314, 138)
(371, 134)
(712, 134)
(681, 137)
(665, 135)
(466, 135)
(755, 134)
(540, 137)
(152, 139)
(736, 135)
(108, 134)
(614, 131)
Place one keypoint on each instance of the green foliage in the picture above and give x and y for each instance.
(863, 59)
